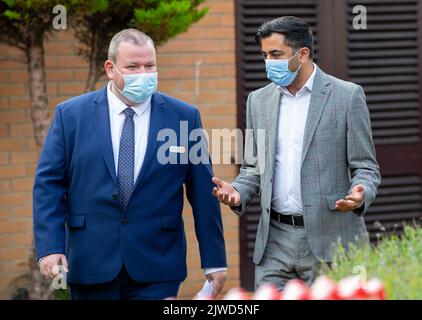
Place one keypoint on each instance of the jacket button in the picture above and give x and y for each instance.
(114, 196)
(268, 210)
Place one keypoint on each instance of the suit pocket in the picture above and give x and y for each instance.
(171, 222)
(76, 222)
(332, 199)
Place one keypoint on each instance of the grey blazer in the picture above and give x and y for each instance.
(338, 153)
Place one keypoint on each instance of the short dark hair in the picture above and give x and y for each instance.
(297, 33)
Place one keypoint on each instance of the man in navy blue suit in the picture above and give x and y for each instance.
(107, 206)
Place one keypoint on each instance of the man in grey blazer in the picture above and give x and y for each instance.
(318, 175)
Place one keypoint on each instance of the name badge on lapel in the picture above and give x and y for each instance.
(177, 149)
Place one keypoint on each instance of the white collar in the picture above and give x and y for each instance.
(308, 84)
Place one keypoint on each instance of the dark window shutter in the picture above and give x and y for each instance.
(399, 199)
(384, 59)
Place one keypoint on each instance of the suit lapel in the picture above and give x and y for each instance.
(272, 115)
(320, 93)
(101, 116)
(156, 123)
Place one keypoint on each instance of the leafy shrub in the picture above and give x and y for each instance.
(395, 260)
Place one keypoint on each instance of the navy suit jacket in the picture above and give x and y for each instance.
(76, 207)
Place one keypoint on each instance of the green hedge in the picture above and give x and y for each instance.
(395, 260)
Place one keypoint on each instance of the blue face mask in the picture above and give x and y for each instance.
(138, 87)
(279, 73)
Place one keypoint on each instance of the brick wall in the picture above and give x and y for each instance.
(207, 48)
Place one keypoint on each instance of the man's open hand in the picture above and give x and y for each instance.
(352, 201)
(225, 192)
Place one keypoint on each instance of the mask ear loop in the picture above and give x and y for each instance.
(297, 70)
(119, 71)
(120, 91)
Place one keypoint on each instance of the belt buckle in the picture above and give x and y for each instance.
(293, 221)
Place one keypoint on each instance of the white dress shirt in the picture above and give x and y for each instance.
(286, 197)
(141, 120)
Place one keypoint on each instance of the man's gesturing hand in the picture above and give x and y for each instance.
(47, 265)
(351, 201)
(218, 279)
(225, 192)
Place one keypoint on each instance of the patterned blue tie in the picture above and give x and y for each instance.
(125, 168)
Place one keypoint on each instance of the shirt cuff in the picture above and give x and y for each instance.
(213, 270)
(39, 260)
(361, 203)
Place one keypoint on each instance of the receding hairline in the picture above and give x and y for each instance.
(130, 36)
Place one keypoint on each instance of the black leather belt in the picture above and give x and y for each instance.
(293, 220)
